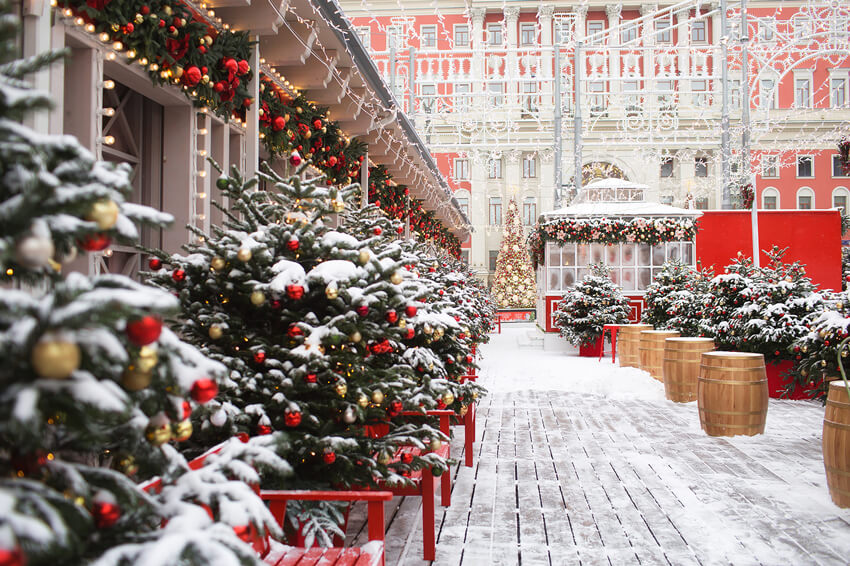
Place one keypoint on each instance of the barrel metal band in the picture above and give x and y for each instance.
(837, 471)
(841, 426)
(834, 403)
(701, 410)
(721, 425)
(731, 382)
(839, 491)
(721, 368)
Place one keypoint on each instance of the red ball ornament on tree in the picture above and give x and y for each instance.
(145, 330)
(187, 409)
(295, 159)
(105, 514)
(392, 316)
(317, 124)
(192, 76)
(332, 161)
(400, 229)
(294, 331)
(203, 390)
(263, 429)
(244, 67)
(155, 263)
(410, 333)
(12, 557)
(440, 404)
(295, 292)
(292, 418)
(362, 311)
(95, 242)
(329, 457)
(377, 230)
(406, 457)
(259, 357)
(410, 310)
(278, 123)
(293, 244)
(310, 378)
(178, 275)
(468, 359)
(395, 408)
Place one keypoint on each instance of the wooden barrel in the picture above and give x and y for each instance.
(732, 393)
(652, 350)
(681, 367)
(836, 443)
(628, 339)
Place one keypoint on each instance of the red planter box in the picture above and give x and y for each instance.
(591, 350)
(775, 380)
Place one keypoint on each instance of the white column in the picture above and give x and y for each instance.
(648, 38)
(511, 61)
(544, 17)
(682, 45)
(614, 86)
(716, 86)
(252, 153)
(581, 17)
(477, 66)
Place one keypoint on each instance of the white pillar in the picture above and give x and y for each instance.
(252, 153)
(544, 17)
(614, 86)
(682, 45)
(648, 37)
(477, 67)
(511, 62)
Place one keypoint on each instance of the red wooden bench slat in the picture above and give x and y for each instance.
(312, 556)
(292, 557)
(348, 557)
(330, 557)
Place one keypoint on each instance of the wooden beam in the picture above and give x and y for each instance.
(261, 19)
(292, 46)
(356, 126)
(217, 4)
(334, 92)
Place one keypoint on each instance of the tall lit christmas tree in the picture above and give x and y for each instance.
(513, 283)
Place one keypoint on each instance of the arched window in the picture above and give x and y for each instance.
(805, 198)
(840, 198)
(770, 199)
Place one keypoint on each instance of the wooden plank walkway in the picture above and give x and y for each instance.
(566, 478)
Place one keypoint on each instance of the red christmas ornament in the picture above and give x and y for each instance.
(450, 360)
(12, 557)
(410, 310)
(187, 409)
(432, 269)
(332, 161)
(243, 67)
(145, 330)
(440, 404)
(155, 263)
(310, 378)
(192, 76)
(400, 229)
(243, 436)
(317, 124)
(469, 359)
(294, 331)
(275, 304)
(263, 429)
(294, 292)
(363, 310)
(295, 158)
(203, 390)
(178, 275)
(129, 28)
(441, 292)
(461, 336)
(259, 357)
(392, 316)
(105, 514)
(329, 457)
(292, 418)
(395, 408)
(377, 230)
(293, 244)
(406, 457)
(278, 123)
(95, 242)
(145, 10)
(410, 333)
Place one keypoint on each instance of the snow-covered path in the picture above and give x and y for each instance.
(582, 462)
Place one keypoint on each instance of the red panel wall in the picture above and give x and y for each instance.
(812, 237)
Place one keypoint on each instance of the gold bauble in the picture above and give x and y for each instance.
(216, 332)
(436, 444)
(104, 213)
(341, 388)
(823, 363)
(158, 435)
(182, 430)
(839, 306)
(463, 410)
(804, 349)
(448, 398)
(148, 358)
(427, 329)
(384, 458)
(377, 396)
(362, 400)
(55, 359)
(244, 254)
(337, 205)
(331, 292)
(355, 336)
(364, 257)
(127, 465)
(474, 396)
(135, 379)
(258, 298)
(402, 323)
(823, 333)
(438, 333)
(218, 263)
(396, 278)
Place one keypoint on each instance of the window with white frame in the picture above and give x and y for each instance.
(663, 34)
(805, 198)
(701, 167)
(701, 203)
(766, 30)
(464, 256)
(840, 197)
(495, 211)
(770, 166)
(700, 93)
(494, 94)
(396, 37)
(767, 94)
(428, 37)
(463, 205)
(530, 96)
(838, 169)
(595, 26)
(365, 35)
(666, 168)
(805, 166)
(494, 35)
(564, 28)
(631, 98)
(838, 31)
(802, 92)
(770, 199)
(598, 100)
(494, 168)
(628, 32)
(461, 35)
(698, 32)
(665, 94)
(529, 211)
(461, 94)
(838, 92)
(461, 169)
(735, 93)
(529, 166)
(493, 257)
(428, 94)
(802, 27)
(527, 33)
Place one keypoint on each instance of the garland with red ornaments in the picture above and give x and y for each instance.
(608, 231)
(175, 46)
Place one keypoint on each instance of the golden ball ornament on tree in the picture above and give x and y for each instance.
(384, 458)
(182, 430)
(136, 379)
(217, 263)
(104, 213)
(438, 333)
(377, 396)
(158, 431)
(337, 205)
(362, 400)
(364, 257)
(215, 332)
(396, 278)
(258, 298)
(331, 291)
(127, 465)
(448, 398)
(244, 255)
(427, 329)
(148, 358)
(341, 388)
(55, 358)
(435, 444)
(355, 337)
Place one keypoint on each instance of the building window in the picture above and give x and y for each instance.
(365, 35)
(628, 32)
(701, 203)
(770, 199)
(461, 35)
(662, 32)
(805, 166)
(529, 211)
(494, 35)
(462, 91)
(598, 102)
(805, 199)
(767, 30)
(698, 31)
(494, 168)
(767, 94)
(464, 256)
(494, 94)
(701, 167)
(667, 167)
(803, 92)
(631, 98)
(494, 255)
(700, 88)
(838, 92)
(495, 211)
(838, 169)
(461, 169)
(564, 25)
(770, 166)
(428, 37)
(463, 205)
(665, 95)
(839, 198)
(802, 29)
(529, 96)
(396, 38)
(429, 98)
(527, 33)
(595, 26)
(529, 167)
(735, 93)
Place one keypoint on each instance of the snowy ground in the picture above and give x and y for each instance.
(583, 462)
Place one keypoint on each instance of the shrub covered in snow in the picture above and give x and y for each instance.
(676, 299)
(589, 305)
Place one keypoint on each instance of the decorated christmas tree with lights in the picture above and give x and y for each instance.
(93, 388)
(513, 282)
(592, 303)
(676, 299)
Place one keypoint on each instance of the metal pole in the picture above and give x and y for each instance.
(392, 70)
(577, 66)
(364, 180)
(725, 153)
(411, 82)
(745, 136)
(558, 136)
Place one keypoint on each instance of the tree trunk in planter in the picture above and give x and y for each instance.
(836, 443)
(591, 349)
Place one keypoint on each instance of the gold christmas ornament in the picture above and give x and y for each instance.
(438, 333)
(127, 465)
(427, 328)
(463, 410)
(384, 458)
(448, 398)
(258, 298)
(364, 257)
(244, 255)
(135, 379)
(436, 444)
(377, 396)
(331, 291)
(362, 400)
(402, 323)
(355, 337)
(341, 388)
(216, 332)
(396, 278)
(55, 358)
(148, 358)
(104, 213)
(337, 205)
(158, 434)
(182, 430)
(218, 263)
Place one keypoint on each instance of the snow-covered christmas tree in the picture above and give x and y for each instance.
(592, 303)
(513, 282)
(676, 299)
(93, 388)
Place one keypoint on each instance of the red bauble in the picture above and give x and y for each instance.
(155, 263)
(400, 229)
(243, 67)
(377, 230)
(292, 418)
(392, 316)
(294, 331)
(105, 514)
(219, 86)
(410, 310)
(203, 390)
(317, 124)
(243, 436)
(187, 409)
(432, 269)
(363, 310)
(293, 244)
(95, 242)
(192, 76)
(332, 160)
(295, 159)
(461, 336)
(294, 292)
(450, 360)
(145, 10)
(275, 304)
(278, 123)
(12, 557)
(440, 404)
(410, 333)
(263, 429)
(129, 28)
(396, 408)
(145, 330)
(329, 457)
(406, 457)
(442, 292)
(178, 275)
(259, 357)
(469, 359)
(310, 378)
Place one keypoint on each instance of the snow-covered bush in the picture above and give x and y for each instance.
(591, 304)
(676, 299)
